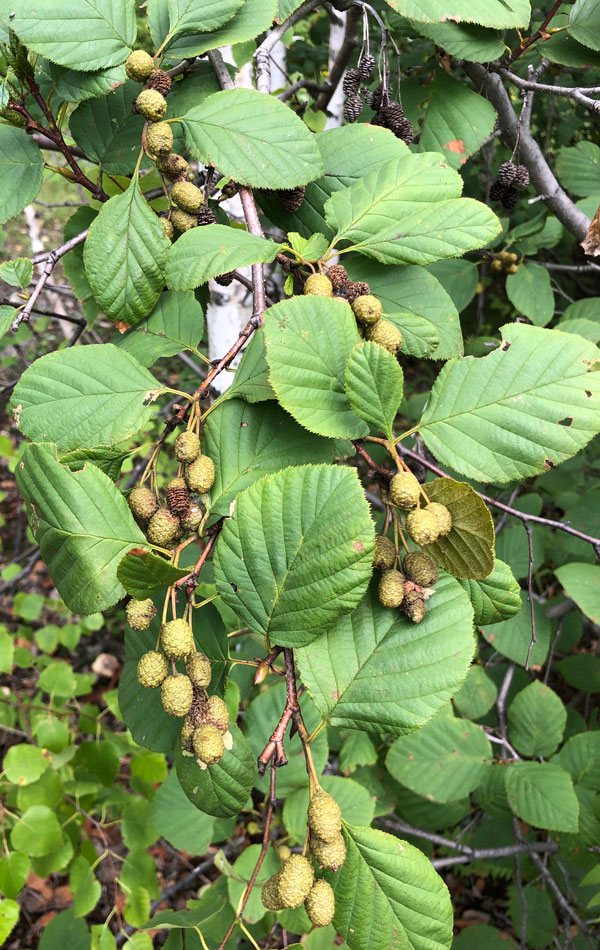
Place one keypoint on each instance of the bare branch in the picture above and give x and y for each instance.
(263, 65)
(51, 258)
(577, 93)
(539, 33)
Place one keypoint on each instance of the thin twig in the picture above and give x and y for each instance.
(577, 93)
(525, 44)
(263, 65)
(52, 258)
(533, 640)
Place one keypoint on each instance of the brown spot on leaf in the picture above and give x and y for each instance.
(121, 326)
(138, 552)
(505, 346)
(588, 393)
(455, 145)
(549, 464)
(567, 421)
(358, 546)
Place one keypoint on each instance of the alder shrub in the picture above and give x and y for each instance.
(351, 714)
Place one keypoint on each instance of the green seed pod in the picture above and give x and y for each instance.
(367, 309)
(422, 526)
(324, 816)
(197, 667)
(192, 519)
(295, 880)
(329, 854)
(142, 502)
(177, 695)
(216, 713)
(420, 569)
(168, 228)
(183, 221)
(187, 447)
(151, 105)
(391, 589)
(385, 334)
(270, 894)
(152, 669)
(414, 606)
(159, 138)
(404, 490)
(177, 639)
(185, 737)
(200, 475)
(187, 196)
(318, 285)
(442, 516)
(320, 904)
(164, 529)
(140, 613)
(385, 553)
(173, 166)
(139, 65)
(208, 744)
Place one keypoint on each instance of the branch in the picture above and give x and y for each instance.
(577, 93)
(262, 54)
(258, 865)
(560, 896)
(51, 258)
(525, 44)
(543, 178)
(41, 139)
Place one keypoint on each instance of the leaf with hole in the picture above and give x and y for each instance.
(520, 411)
(296, 554)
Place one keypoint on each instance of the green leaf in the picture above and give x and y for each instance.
(588, 329)
(578, 168)
(417, 667)
(309, 249)
(581, 671)
(199, 16)
(108, 132)
(477, 694)
(248, 441)
(7, 315)
(175, 324)
(136, 909)
(512, 637)
(66, 930)
(494, 13)
(422, 194)
(387, 894)
(541, 922)
(519, 411)
(223, 789)
(531, 293)
(584, 23)
(18, 272)
(94, 34)
(356, 803)
(85, 888)
(374, 386)
(84, 396)
(124, 256)
(582, 584)
(434, 330)
(580, 757)
(251, 380)
(143, 574)
(138, 829)
(178, 820)
(14, 870)
(82, 524)
(213, 250)
(139, 869)
(542, 794)
(468, 550)
(103, 457)
(24, 764)
(537, 719)
(356, 750)
(36, 832)
(463, 40)
(250, 19)
(9, 915)
(72, 85)
(457, 120)
(309, 340)
(240, 876)
(496, 598)
(459, 279)
(443, 761)
(476, 936)
(296, 554)
(348, 154)
(21, 167)
(253, 139)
